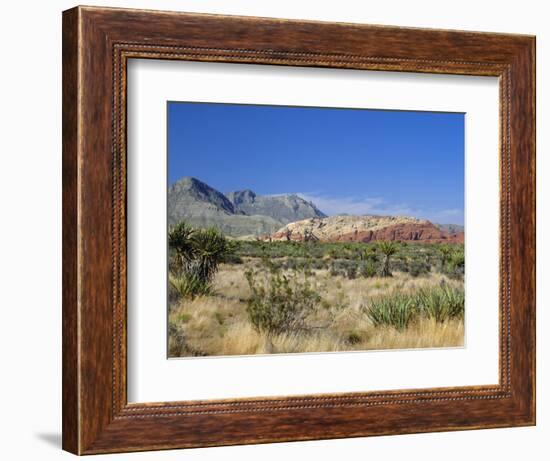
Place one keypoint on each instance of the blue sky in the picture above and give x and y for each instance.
(344, 160)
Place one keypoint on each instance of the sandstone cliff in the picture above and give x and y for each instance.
(365, 229)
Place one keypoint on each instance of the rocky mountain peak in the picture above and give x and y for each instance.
(238, 213)
(241, 196)
(189, 189)
(284, 208)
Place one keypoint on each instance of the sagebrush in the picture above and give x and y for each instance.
(281, 302)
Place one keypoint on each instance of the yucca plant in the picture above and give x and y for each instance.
(441, 303)
(180, 242)
(210, 247)
(396, 310)
(368, 254)
(188, 285)
(388, 249)
(445, 252)
(198, 254)
(457, 259)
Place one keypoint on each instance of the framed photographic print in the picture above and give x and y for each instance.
(325, 267)
(284, 230)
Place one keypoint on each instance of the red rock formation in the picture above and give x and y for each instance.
(410, 232)
(423, 232)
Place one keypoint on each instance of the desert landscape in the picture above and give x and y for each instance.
(269, 274)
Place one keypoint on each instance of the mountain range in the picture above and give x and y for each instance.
(239, 213)
(245, 214)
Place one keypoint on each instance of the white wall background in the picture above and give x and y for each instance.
(30, 230)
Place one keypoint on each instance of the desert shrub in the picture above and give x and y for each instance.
(188, 285)
(351, 272)
(333, 270)
(396, 310)
(219, 317)
(318, 264)
(451, 260)
(455, 267)
(368, 269)
(417, 267)
(457, 258)
(184, 317)
(280, 302)
(399, 309)
(441, 303)
(368, 253)
(291, 264)
(455, 273)
(232, 258)
(445, 252)
(353, 337)
(399, 263)
(177, 345)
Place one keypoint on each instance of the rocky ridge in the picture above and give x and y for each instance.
(237, 214)
(365, 229)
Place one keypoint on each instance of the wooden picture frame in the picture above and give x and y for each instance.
(97, 43)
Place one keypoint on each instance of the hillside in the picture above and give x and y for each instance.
(451, 228)
(365, 229)
(245, 214)
(283, 208)
(240, 213)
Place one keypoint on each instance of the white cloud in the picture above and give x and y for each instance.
(379, 206)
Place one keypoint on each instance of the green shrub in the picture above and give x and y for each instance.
(351, 272)
(396, 310)
(399, 309)
(333, 271)
(457, 258)
(219, 317)
(416, 268)
(197, 256)
(318, 264)
(441, 303)
(188, 286)
(368, 269)
(279, 302)
(184, 317)
(445, 252)
(455, 266)
(232, 258)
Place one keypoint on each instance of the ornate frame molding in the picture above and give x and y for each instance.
(97, 43)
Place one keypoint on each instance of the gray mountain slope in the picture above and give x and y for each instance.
(189, 197)
(283, 208)
(241, 213)
(238, 214)
(451, 228)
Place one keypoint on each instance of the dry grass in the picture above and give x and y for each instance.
(218, 324)
(422, 334)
